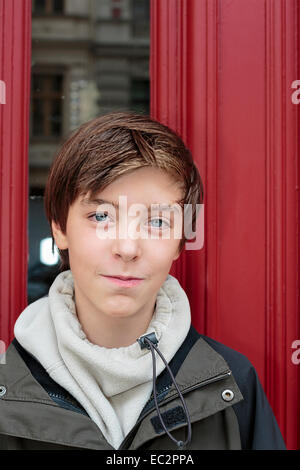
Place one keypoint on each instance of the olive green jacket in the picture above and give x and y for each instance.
(226, 403)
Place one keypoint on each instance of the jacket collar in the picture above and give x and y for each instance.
(201, 374)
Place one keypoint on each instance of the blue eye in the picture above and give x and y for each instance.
(102, 217)
(160, 226)
(99, 216)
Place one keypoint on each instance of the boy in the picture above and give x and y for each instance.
(81, 372)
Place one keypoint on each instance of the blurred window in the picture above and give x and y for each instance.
(140, 18)
(48, 7)
(116, 12)
(140, 95)
(47, 105)
(116, 8)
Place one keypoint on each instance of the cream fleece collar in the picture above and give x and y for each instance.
(114, 384)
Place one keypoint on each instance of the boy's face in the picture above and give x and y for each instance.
(100, 245)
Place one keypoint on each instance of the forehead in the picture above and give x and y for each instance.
(147, 186)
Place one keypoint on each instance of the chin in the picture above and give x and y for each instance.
(118, 307)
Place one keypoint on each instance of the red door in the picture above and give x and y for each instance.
(221, 76)
(15, 67)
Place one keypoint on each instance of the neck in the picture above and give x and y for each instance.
(109, 331)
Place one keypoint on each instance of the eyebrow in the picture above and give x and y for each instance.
(98, 201)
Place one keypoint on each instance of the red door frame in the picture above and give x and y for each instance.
(221, 74)
(15, 69)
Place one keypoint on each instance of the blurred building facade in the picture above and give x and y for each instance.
(89, 57)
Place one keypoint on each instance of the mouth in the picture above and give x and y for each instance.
(124, 281)
(124, 278)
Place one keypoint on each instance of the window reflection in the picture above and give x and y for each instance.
(44, 7)
(89, 57)
(47, 105)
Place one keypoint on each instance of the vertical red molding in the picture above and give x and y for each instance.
(15, 68)
(282, 216)
(221, 75)
(210, 96)
(174, 74)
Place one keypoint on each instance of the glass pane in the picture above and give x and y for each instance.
(39, 6)
(56, 117)
(140, 94)
(140, 89)
(140, 9)
(38, 83)
(116, 12)
(140, 16)
(57, 81)
(38, 117)
(58, 6)
(40, 275)
(73, 81)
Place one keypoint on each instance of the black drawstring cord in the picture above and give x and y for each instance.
(150, 341)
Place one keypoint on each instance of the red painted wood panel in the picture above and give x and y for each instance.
(241, 177)
(15, 67)
(221, 74)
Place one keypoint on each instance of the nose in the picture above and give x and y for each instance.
(127, 249)
(126, 244)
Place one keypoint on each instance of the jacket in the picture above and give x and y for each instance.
(227, 407)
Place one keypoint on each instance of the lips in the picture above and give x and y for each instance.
(124, 278)
(128, 282)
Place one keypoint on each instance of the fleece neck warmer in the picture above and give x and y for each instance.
(112, 384)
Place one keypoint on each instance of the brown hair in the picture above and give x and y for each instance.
(101, 150)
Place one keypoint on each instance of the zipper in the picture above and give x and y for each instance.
(161, 392)
(70, 404)
(216, 378)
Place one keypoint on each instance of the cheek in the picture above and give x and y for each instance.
(83, 243)
(163, 253)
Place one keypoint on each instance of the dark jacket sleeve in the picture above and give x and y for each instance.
(258, 427)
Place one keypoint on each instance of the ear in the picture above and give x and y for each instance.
(59, 237)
